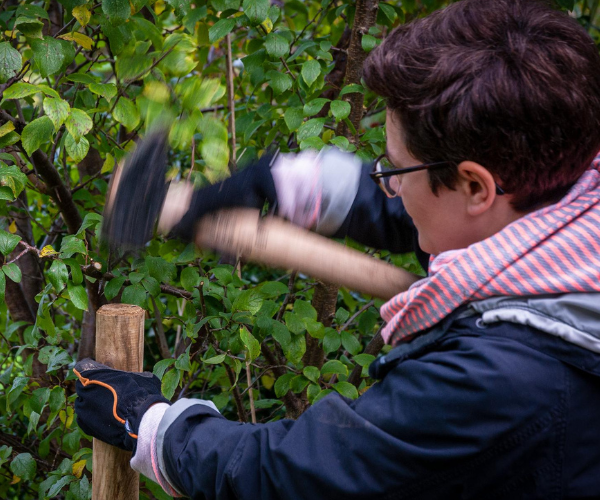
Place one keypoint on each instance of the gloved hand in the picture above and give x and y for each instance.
(111, 403)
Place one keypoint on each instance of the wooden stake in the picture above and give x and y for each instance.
(120, 345)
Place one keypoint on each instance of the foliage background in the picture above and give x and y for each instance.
(80, 82)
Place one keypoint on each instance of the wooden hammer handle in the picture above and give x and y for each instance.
(277, 243)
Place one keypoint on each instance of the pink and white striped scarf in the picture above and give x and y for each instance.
(553, 250)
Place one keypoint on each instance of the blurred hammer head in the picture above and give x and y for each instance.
(136, 195)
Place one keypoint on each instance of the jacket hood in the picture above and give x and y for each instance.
(574, 317)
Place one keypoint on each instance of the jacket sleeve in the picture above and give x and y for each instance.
(420, 429)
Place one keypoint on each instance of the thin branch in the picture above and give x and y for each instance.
(163, 346)
(236, 395)
(250, 394)
(231, 101)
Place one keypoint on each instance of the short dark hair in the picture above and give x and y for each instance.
(511, 84)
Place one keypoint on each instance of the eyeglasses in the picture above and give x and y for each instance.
(384, 174)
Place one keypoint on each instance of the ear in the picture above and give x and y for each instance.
(477, 185)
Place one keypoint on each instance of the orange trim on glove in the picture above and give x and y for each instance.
(87, 381)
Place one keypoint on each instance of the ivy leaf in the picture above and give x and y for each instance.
(346, 389)
(134, 294)
(36, 133)
(78, 296)
(256, 10)
(8, 242)
(58, 275)
(57, 110)
(276, 45)
(311, 70)
(78, 123)
(77, 150)
(251, 344)
(24, 466)
(117, 11)
(48, 55)
(340, 109)
(112, 288)
(169, 383)
(10, 62)
(221, 28)
(280, 82)
(126, 113)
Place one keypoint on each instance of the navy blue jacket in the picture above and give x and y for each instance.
(467, 411)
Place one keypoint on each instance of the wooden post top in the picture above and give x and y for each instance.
(120, 310)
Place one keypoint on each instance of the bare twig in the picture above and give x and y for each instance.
(250, 394)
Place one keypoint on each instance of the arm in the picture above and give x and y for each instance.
(432, 425)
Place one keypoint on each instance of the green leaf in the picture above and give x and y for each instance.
(2, 287)
(293, 118)
(10, 62)
(127, 113)
(352, 89)
(334, 366)
(311, 128)
(48, 55)
(78, 296)
(20, 89)
(34, 11)
(363, 359)
(183, 361)
(273, 289)
(350, 343)
(312, 373)
(24, 466)
(276, 45)
(82, 78)
(280, 82)
(161, 270)
(8, 242)
(134, 294)
(117, 11)
(77, 150)
(312, 392)
(106, 90)
(314, 106)
(39, 398)
(58, 275)
(78, 123)
(112, 288)
(221, 28)
(71, 245)
(36, 133)
(90, 219)
(346, 389)
(251, 344)
(30, 27)
(295, 349)
(298, 383)
(151, 285)
(161, 367)
(281, 334)
(248, 300)
(282, 385)
(215, 360)
(311, 70)
(256, 10)
(13, 272)
(368, 43)
(190, 278)
(57, 110)
(169, 383)
(59, 485)
(340, 109)
(305, 310)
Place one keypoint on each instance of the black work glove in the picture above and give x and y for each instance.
(111, 403)
(249, 188)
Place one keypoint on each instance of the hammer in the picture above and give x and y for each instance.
(139, 197)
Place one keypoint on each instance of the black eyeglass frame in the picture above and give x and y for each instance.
(378, 174)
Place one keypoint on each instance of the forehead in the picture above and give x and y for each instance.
(395, 143)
